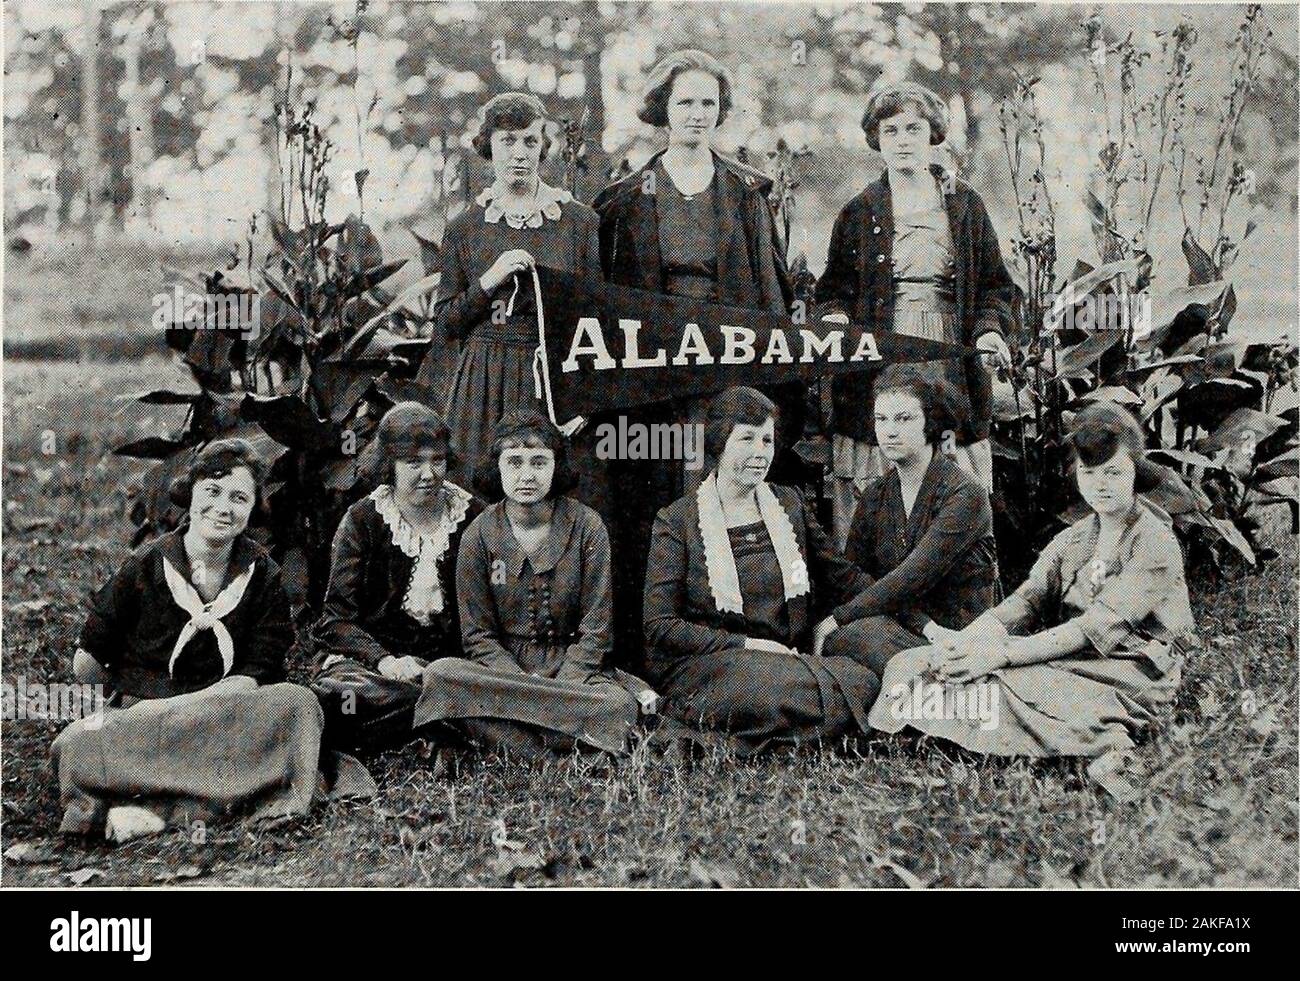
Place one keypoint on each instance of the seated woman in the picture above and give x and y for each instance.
(533, 582)
(739, 572)
(1109, 602)
(192, 632)
(923, 533)
(390, 607)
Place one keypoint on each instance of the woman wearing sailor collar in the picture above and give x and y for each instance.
(739, 586)
(192, 632)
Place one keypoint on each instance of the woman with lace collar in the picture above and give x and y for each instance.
(739, 587)
(486, 297)
(390, 607)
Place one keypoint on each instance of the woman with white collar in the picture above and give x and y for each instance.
(191, 633)
(739, 586)
(486, 296)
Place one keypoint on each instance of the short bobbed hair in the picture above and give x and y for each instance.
(937, 398)
(735, 406)
(405, 429)
(217, 460)
(889, 100)
(524, 428)
(1102, 430)
(659, 84)
(509, 110)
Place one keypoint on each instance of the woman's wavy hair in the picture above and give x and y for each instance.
(733, 407)
(937, 398)
(659, 84)
(217, 459)
(889, 100)
(1101, 430)
(510, 110)
(524, 428)
(405, 428)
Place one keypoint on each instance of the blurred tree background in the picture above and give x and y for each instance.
(154, 120)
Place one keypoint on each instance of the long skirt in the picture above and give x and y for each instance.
(872, 641)
(1078, 706)
(515, 710)
(763, 700)
(494, 376)
(364, 711)
(199, 757)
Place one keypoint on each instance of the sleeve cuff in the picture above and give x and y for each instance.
(1103, 627)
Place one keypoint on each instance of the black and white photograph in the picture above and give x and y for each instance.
(650, 445)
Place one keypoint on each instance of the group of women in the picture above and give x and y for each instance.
(492, 617)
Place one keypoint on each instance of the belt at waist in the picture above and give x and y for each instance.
(517, 333)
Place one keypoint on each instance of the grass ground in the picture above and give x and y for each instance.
(1216, 801)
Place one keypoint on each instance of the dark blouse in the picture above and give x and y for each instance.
(761, 586)
(688, 239)
(133, 623)
(471, 245)
(938, 564)
(364, 616)
(547, 613)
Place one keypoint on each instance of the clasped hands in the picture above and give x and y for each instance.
(967, 655)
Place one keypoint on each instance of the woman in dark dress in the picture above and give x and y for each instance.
(923, 533)
(534, 585)
(738, 588)
(915, 253)
(486, 296)
(690, 223)
(191, 633)
(390, 606)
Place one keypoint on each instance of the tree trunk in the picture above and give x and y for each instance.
(91, 170)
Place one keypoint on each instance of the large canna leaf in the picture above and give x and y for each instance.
(288, 420)
(1076, 361)
(150, 448)
(1200, 267)
(1284, 465)
(1231, 432)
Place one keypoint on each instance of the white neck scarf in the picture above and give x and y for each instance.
(719, 561)
(205, 616)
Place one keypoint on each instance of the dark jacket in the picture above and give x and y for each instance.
(940, 564)
(681, 615)
(133, 623)
(363, 616)
(751, 256)
(858, 281)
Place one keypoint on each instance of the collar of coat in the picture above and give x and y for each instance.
(503, 544)
(956, 198)
(630, 186)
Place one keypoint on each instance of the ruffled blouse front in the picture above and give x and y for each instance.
(424, 595)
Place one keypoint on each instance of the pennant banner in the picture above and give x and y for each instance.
(607, 347)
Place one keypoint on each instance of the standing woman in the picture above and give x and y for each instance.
(915, 253)
(533, 583)
(739, 587)
(486, 296)
(1086, 652)
(690, 223)
(390, 606)
(192, 632)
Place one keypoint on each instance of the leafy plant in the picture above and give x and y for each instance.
(1206, 397)
(329, 351)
